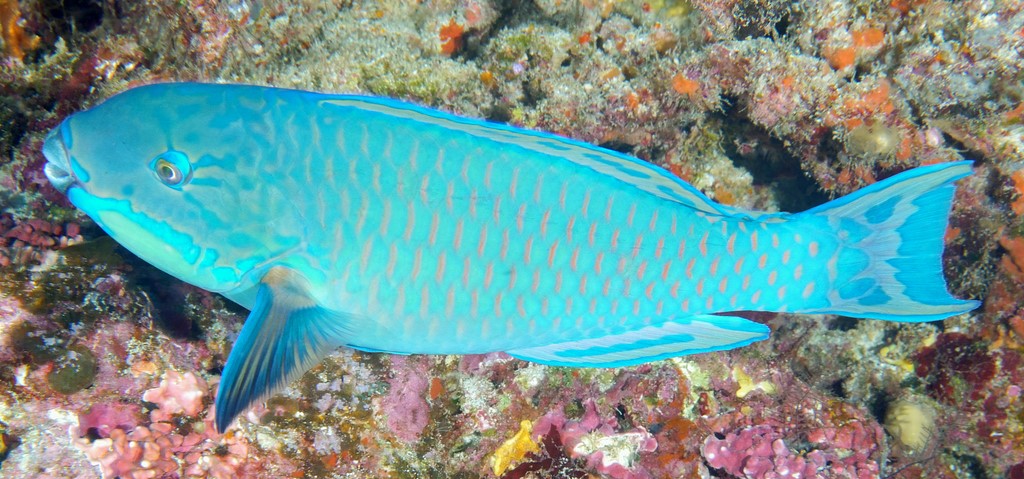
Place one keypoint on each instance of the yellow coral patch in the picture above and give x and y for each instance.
(888, 357)
(747, 385)
(515, 448)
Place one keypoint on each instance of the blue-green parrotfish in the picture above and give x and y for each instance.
(379, 225)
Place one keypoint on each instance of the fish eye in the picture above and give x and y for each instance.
(167, 172)
(172, 169)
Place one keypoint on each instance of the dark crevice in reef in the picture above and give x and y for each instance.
(751, 147)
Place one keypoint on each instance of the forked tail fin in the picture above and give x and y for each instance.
(892, 236)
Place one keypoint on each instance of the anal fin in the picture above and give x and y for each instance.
(677, 337)
(286, 334)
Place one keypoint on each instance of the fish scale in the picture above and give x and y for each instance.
(380, 225)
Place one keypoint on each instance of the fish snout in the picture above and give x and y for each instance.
(58, 163)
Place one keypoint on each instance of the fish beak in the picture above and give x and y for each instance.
(58, 165)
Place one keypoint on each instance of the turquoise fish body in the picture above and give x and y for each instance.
(383, 226)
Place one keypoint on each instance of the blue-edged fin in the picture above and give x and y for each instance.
(690, 335)
(889, 265)
(286, 334)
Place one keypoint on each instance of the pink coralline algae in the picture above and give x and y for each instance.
(406, 405)
(177, 394)
(159, 451)
(21, 242)
(761, 452)
(600, 441)
(173, 444)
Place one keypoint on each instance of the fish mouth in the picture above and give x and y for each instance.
(58, 162)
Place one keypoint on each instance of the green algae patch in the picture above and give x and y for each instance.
(68, 281)
(74, 371)
(33, 344)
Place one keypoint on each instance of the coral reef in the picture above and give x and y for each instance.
(108, 367)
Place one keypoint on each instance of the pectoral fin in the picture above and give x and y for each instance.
(285, 335)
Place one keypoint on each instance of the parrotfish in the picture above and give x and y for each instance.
(380, 225)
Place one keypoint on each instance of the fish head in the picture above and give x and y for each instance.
(167, 171)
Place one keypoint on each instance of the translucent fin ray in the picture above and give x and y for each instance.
(890, 266)
(285, 334)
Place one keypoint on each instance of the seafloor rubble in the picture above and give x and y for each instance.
(108, 367)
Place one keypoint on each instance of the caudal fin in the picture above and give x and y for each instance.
(892, 234)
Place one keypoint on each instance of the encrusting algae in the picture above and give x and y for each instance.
(16, 41)
(515, 448)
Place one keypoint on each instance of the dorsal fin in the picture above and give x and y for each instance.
(632, 171)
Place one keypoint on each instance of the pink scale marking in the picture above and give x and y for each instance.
(424, 189)
(435, 221)
(520, 215)
(458, 234)
(637, 245)
(389, 270)
(503, 251)
(512, 277)
(442, 259)
(482, 242)
(410, 221)
(416, 260)
(552, 252)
